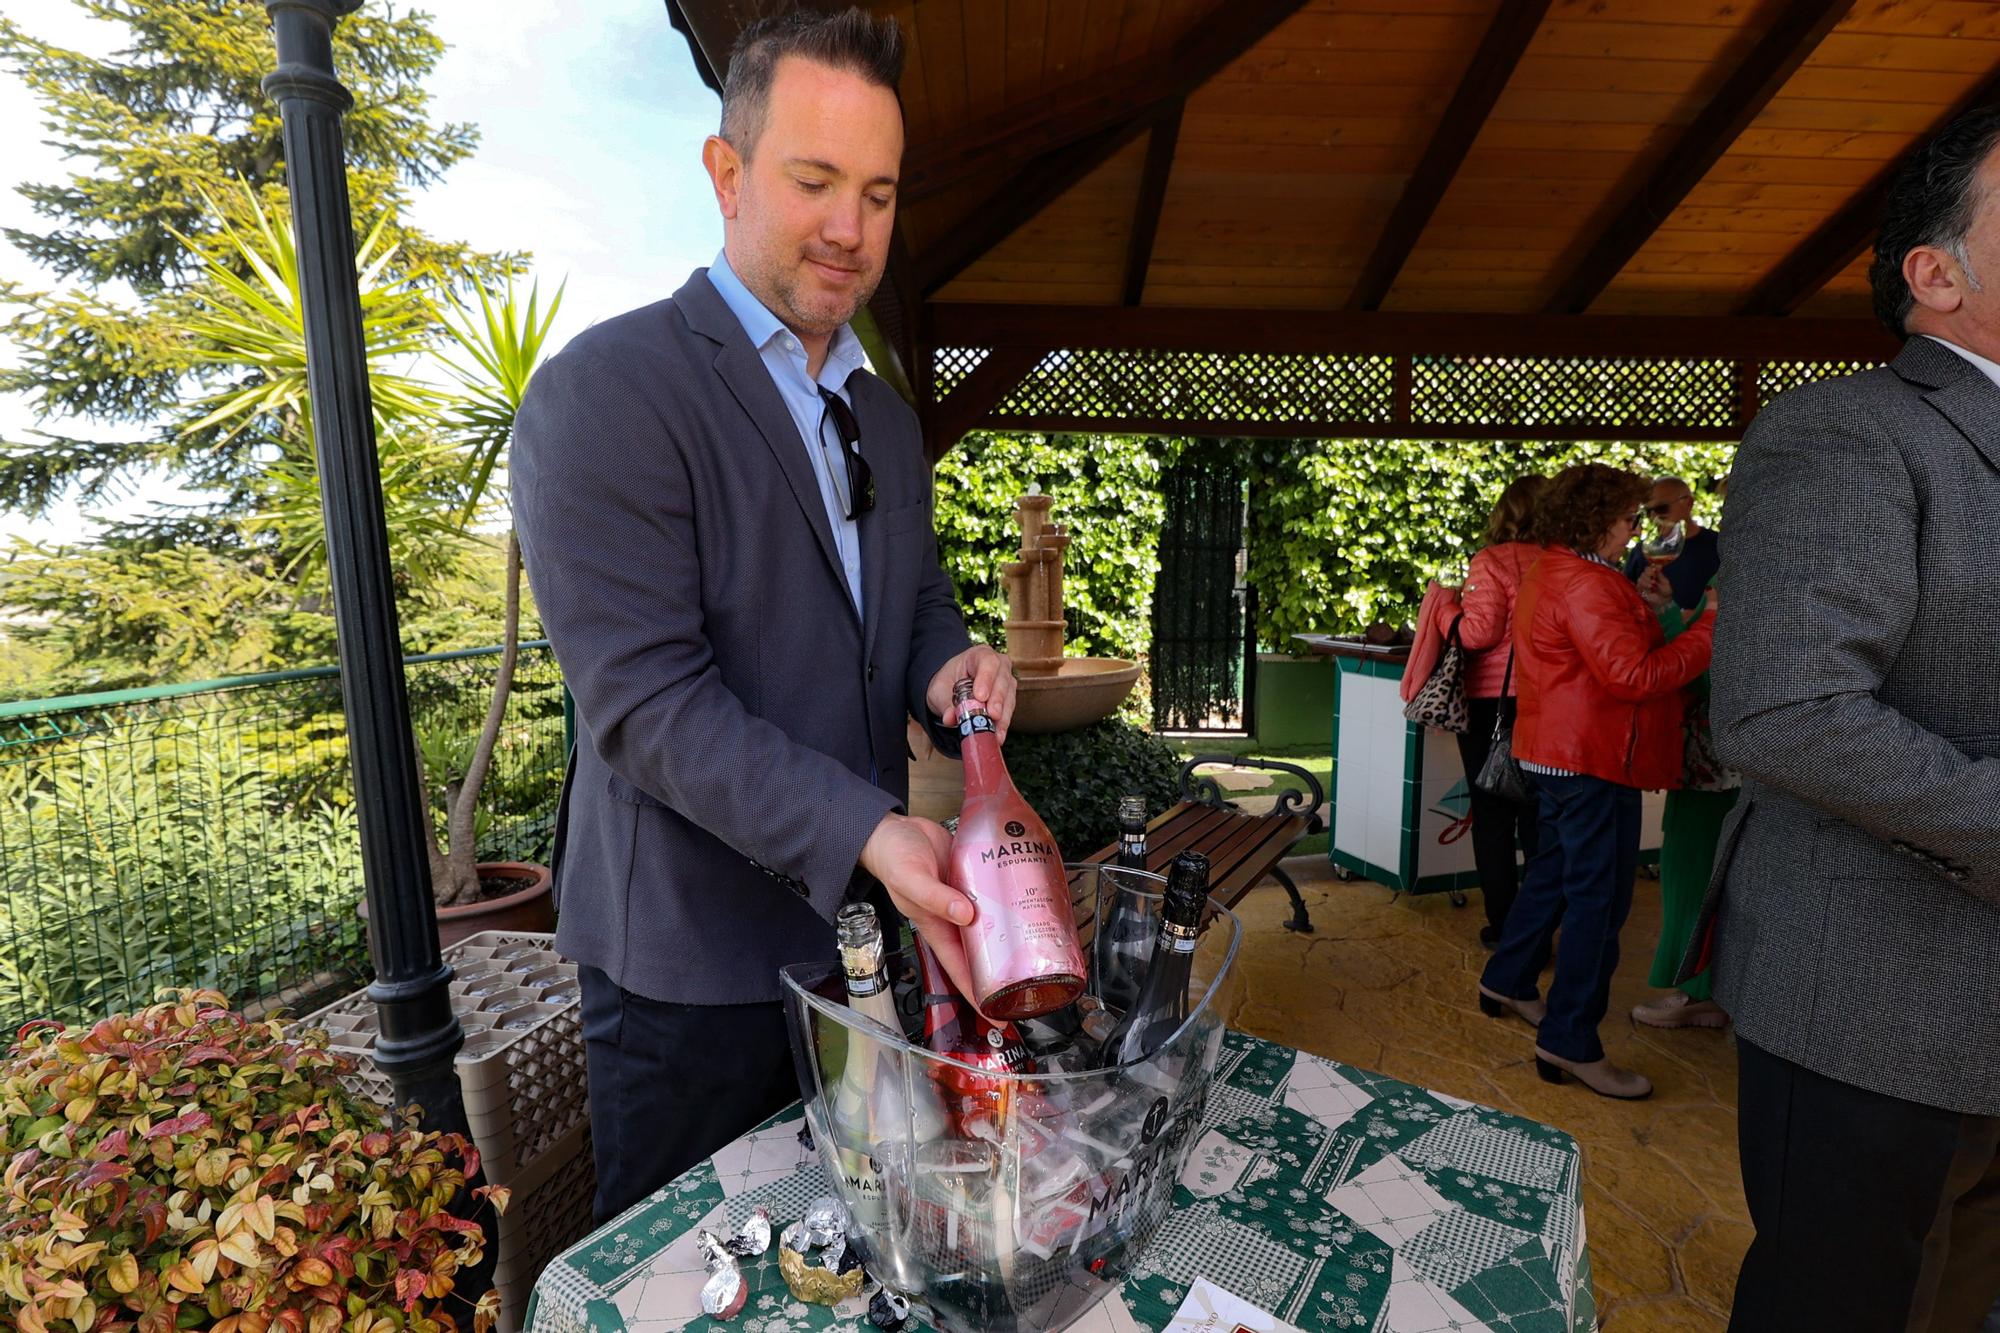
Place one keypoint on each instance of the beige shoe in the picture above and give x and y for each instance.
(1493, 1004)
(1676, 1009)
(1600, 1076)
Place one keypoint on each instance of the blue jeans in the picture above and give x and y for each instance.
(1581, 878)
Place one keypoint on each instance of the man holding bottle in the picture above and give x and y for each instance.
(727, 523)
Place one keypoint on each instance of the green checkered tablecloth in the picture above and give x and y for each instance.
(1329, 1196)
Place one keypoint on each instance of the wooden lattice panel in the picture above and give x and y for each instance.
(1591, 392)
(951, 365)
(1201, 386)
(1774, 377)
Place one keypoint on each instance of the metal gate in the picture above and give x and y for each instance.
(1204, 659)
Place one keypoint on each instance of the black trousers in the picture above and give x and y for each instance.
(1497, 825)
(1873, 1214)
(671, 1083)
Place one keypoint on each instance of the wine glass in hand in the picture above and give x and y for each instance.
(1664, 547)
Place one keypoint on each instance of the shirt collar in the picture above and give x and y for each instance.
(844, 355)
(1990, 368)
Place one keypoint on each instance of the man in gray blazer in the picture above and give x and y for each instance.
(1857, 892)
(727, 523)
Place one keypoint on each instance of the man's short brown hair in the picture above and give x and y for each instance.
(854, 41)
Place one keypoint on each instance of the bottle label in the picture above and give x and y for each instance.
(1014, 876)
(871, 984)
(971, 723)
(1179, 938)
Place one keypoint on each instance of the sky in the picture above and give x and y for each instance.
(592, 118)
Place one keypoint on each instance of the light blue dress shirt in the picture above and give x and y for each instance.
(785, 357)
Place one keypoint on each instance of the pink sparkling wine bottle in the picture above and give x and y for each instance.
(1022, 943)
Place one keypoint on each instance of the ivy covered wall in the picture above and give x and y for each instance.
(1342, 532)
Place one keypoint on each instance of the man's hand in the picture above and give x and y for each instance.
(992, 685)
(1653, 586)
(909, 856)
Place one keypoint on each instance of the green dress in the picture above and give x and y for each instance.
(1690, 828)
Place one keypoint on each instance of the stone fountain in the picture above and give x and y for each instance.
(1056, 693)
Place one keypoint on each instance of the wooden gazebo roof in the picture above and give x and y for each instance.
(1491, 218)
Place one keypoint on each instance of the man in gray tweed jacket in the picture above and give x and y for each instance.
(1856, 900)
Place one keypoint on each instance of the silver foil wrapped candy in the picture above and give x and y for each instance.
(813, 1255)
(753, 1237)
(723, 1295)
(887, 1310)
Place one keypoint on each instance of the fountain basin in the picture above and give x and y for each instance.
(1083, 690)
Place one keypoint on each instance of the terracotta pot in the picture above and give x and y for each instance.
(528, 909)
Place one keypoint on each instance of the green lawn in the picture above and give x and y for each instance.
(1313, 758)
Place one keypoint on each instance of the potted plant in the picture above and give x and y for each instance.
(500, 349)
(444, 447)
(184, 1167)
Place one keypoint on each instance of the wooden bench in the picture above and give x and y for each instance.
(1242, 849)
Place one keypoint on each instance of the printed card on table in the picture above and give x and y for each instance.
(1210, 1309)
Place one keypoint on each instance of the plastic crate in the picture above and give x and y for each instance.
(550, 1211)
(524, 1086)
(525, 1089)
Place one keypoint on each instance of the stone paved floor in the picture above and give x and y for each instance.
(1389, 985)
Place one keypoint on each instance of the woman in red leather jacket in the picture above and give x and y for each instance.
(1486, 632)
(1598, 721)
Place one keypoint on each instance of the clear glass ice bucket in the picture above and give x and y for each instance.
(1006, 1202)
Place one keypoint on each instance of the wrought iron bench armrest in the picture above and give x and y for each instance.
(1289, 801)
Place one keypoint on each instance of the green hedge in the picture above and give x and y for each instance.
(1342, 532)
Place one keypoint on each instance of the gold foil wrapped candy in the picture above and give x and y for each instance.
(815, 1259)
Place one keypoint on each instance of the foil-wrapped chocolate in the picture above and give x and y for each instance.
(813, 1282)
(723, 1295)
(818, 1264)
(753, 1237)
(714, 1253)
(825, 1221)
(887, 1310)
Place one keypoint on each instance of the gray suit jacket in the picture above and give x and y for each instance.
(730, 704)
(1856, 895)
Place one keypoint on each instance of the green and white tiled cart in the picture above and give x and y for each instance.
(1334, 1198)
(1400, 810)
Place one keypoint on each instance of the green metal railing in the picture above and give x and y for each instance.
(204, 834)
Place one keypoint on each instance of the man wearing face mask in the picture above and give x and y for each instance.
(727, 522)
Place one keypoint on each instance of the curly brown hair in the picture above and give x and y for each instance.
(1583, 502)
(1509, 521)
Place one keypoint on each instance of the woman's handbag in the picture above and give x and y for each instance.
(1501, 776)
(1441, 702)
(1701, 768)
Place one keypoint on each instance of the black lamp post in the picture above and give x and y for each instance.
(419, 1034)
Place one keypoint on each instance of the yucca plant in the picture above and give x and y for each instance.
(503, 345)
(442, 447)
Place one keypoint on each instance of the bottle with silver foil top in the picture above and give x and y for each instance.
(884, 1106)
(884, 1103)
(1125, 929)
(1162, 1003)
(1022, 945)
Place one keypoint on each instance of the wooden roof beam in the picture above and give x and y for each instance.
(1839, 241)
(1152, 198)
(1777, 55)
(1514, 25)
(975, 397)
(1392, 333)
(998, 143)
(1024, 194)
